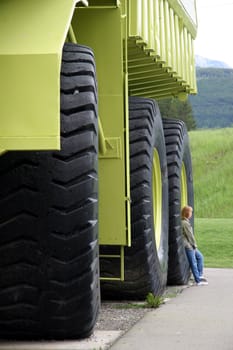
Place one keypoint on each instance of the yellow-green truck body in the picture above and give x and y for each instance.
(141, 47)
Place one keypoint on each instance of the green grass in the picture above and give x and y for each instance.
(212, 159)
(215, 241)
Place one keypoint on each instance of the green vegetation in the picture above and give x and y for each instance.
(152, 302)
(215, 240)
(213, 189)
(175, 109)
(213, 105)
(212, 171)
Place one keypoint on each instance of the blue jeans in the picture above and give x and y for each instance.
(196, 262)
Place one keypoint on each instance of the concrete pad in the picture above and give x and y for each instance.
(199, 318)
(99, 340)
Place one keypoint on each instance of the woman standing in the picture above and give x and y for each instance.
(194, 256)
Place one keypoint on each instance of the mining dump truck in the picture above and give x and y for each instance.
(92, 179)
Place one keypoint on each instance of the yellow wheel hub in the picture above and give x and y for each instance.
(157, 198)
(184, 193)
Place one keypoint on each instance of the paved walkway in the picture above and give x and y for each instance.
(200, 318)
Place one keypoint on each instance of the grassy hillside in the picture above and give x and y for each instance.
(213, 172)
(215, 240)
(213, 105)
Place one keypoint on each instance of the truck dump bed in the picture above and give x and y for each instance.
(160, 48)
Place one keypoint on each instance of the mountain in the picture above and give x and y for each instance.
(204, 62)
(213, 105)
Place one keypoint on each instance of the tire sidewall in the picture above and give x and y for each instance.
(178, 155)
(187, 161)
(161, 252)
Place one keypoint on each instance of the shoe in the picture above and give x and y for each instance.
(203, 279)
(202, 283)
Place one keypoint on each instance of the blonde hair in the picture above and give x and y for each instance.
(185, 211)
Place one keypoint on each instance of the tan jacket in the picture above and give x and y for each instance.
(188, 236)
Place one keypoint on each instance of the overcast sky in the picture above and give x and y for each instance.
(215, 30)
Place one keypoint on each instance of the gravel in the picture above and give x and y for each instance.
(119, 315)
(115, 319)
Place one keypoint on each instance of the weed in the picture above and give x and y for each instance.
(154, 301)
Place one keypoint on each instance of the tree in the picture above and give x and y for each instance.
(176, 109)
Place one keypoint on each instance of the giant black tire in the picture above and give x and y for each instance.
(145, 264)
(49, 276)
(178, 160)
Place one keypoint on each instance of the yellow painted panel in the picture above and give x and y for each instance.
(30, 101)
(28, 27)
(32, 34)
(105, 35)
